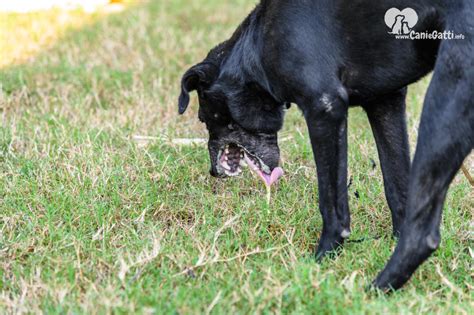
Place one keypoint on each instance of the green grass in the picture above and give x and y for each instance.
(92, 221)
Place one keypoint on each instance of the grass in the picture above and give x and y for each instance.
(92, 221)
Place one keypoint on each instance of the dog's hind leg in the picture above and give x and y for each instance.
(387, 118)
(446, 137)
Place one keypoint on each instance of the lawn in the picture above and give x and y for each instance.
(100, 211)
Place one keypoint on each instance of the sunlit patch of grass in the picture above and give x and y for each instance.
(93, 222)
(24, 35)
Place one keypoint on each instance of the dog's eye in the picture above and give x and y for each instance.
(216, 116)
(230, 126)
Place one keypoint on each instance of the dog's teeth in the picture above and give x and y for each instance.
(225, 165)
(231, 174)
(226, 157)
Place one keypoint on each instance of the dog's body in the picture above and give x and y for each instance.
(327, 55)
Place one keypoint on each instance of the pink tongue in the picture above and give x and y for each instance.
(267, 179)
(273, 178)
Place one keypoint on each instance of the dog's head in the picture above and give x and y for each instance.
(242, 119)
(400, 18)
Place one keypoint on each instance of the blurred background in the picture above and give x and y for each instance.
(102, 211)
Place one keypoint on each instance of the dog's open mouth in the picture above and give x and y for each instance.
(233, 157)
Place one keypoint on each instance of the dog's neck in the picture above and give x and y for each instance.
(240, 57)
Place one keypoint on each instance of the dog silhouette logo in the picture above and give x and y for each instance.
(401, 22)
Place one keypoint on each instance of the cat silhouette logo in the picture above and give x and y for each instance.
(401, 22)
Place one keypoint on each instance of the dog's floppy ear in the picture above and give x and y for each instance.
(256, 110)
(202, 74)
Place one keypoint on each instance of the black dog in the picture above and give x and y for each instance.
(327, 55)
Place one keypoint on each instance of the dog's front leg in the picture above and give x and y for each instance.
(326, 118)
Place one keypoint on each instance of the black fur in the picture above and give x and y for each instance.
(327, 55)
